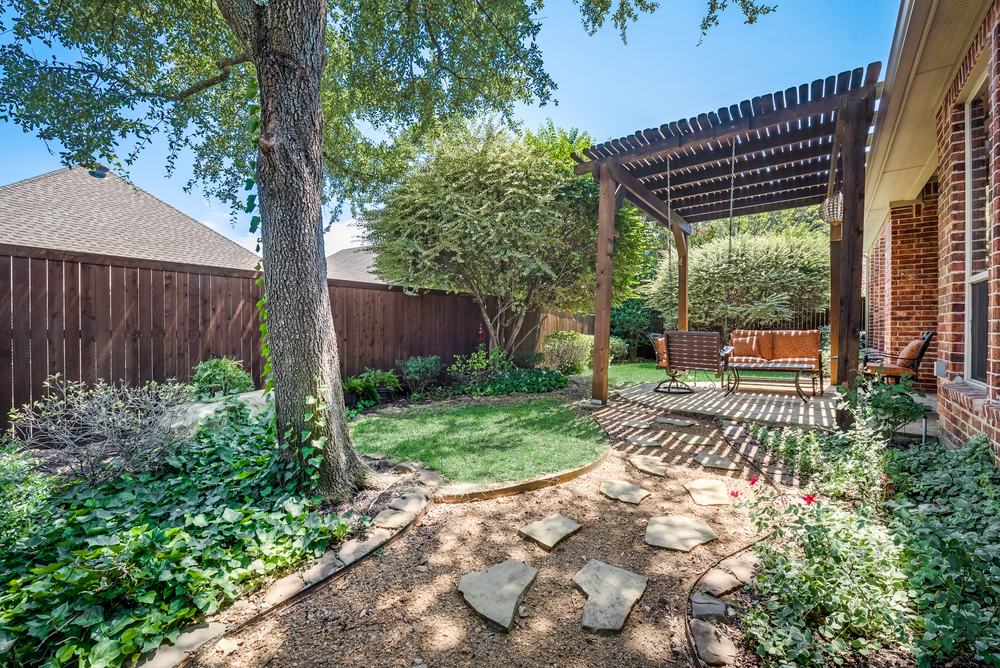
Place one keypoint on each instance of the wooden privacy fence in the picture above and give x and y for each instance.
(125, 320)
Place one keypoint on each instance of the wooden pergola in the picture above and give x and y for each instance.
(792, 148)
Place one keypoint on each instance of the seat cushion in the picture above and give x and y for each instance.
(791, 343)
(765, 340)
(746, 347)
(887, 369)
(907, 356)
(748, 360)
(811, 361)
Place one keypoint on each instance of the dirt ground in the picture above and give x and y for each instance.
(401, 607)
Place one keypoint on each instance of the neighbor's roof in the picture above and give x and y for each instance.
(71, 210)
(353, 264)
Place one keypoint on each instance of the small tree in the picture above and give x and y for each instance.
(504, 219)
(633, 320)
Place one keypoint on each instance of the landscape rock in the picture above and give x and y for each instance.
(187, 418)
(188, 641)
(322, 568)
(550, 531)
(714, 648)
(407, 467)
(374, 456)
(717, 582)
(596, 403)
(638, 424)
(714, 461)
(648, 464)
(743, 569)
(677, 532)
(676, 423)
(707, 607)
(623, 491)
(284, 589)
(642, 439)
(496, 592)
(409, 503)
(427, 478)
(693, 439)
(707, 492)
(391, 410)
(353, 550)
(393, 519)
(611, 594)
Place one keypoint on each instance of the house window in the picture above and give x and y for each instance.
(977, 238)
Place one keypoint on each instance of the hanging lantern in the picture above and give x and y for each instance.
(832, 210)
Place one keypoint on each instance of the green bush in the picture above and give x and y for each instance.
(830, 585)
(419, 372)
(480, 367)
(111, 571)
(946, 516)
(531, 381)
(618, 349)
(220, 377)
(528, 359)
(386, 379)
(569, 352)
(23, 493)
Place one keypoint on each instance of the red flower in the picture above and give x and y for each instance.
(810, 498)
(734, 494)
(753, 481)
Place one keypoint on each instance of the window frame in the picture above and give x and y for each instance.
(969, 279)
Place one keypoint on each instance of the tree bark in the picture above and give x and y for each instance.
(286, 41)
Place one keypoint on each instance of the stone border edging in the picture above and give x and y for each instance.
(470, 492)
(309, 588)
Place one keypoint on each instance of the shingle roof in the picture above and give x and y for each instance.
(353, 264)
(70, 210)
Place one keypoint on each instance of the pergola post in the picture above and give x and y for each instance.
(682, 288)
(856, 122)
(602, 306)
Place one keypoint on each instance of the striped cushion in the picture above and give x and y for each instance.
(748, 360)
(796, 360)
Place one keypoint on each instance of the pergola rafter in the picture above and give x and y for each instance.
(792, 148)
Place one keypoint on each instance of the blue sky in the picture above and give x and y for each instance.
(605, 87)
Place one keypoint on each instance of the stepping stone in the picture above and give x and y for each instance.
(596, 403)
(717, 582)
(636, 409)
(676, 423)
(427, 478)
(354, 549)
(623, 491)
(611, 594)
(188, 641)
(284, 589)
(706, 492)
(393, 519)
(641, 439)
(497, 591)
(648, 464)
(713, 648)
(325, 566)
(677, 532)
(550, 531)
(693, 439)
(409, 503)
(714, 461)
(743, 569)
(708, 608)
(374, 456)
(407, 467)
(639, 424)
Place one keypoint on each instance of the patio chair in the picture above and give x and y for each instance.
(907, 363)
(678, 352)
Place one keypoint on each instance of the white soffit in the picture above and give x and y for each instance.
(932, 38)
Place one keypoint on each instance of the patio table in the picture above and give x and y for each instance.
(733, 382)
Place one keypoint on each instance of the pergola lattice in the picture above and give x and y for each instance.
(793, 148)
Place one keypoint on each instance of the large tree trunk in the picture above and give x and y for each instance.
(286, 40)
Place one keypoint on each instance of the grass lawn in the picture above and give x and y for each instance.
(485, 444)
(623, 375)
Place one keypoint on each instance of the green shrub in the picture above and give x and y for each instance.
(111, 571)
(363, 387)
(830, 583)
(569, 352)
(528, 359)
(420, 372)
(531, 381)
(386, 379)
(886, 407)
(220, 377)
(480, 367)
(618, 349)
(23, 493)
(946, 516)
